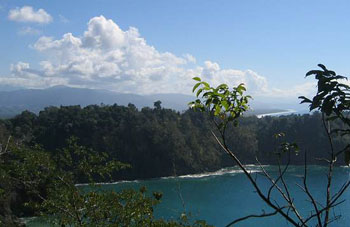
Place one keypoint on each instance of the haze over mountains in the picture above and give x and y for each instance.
(15, 101)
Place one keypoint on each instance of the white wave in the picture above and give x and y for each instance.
(109, 183)
(229, 170)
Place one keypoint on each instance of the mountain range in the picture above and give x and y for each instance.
(15, 101)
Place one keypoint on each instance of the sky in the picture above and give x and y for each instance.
(157, 46)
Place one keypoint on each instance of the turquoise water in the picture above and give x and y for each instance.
(226, 195)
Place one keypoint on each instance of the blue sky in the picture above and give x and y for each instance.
(157, 46)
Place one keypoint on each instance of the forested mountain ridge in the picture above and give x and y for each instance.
(162, 142)
(14, 102)
(35, 100)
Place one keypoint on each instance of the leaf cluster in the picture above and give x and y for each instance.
(333, 100)
(332, 95)
(221, 101)
(82, 162)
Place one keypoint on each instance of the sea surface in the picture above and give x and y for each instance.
(223, 196)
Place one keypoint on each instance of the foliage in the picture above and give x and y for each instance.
(222, 102)
(100, 208)
(332, 100)
(40, 183)
(150, 140)
(108, 208)
(332, 96)
(154, 141)
(24, 173)
(78, 162)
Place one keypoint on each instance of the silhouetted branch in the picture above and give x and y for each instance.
(250, 178)
(330, 170)
(286, 196)
(322, 210)
(255, 216)
(308, 193)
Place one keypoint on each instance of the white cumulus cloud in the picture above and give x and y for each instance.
(22, 75)
(108, 57)
(28, 14)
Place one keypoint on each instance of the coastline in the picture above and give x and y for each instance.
(227, 170)
(288, 111)
(252, 168)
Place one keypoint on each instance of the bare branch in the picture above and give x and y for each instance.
(342, 150)
(330, 170)
(255, 216)
(289, 200)
(285, 196)
(341, 191)
(250, 178)
(322, 210)
(308, 193)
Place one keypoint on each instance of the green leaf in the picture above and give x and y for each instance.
(222, 86)
(205, 84)
(196, 78)
(241, 87)
(313, 72)
(199, 92)
(338, 77)
(323, 67)
(304, 99)
(217, 110)
(191, 104)
(224, 104)
(195, 87)
(327, 105)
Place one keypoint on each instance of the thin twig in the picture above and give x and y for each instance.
(259, 192)
(254, 216)
(330, 170)
(308, 193)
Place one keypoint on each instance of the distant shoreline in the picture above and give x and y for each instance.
(289, 111)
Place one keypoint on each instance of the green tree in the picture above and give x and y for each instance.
(44, 184)
(157, 105)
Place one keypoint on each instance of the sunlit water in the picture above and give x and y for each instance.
(226, 195)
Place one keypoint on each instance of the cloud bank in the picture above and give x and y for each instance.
(107, 57)
(28, 14)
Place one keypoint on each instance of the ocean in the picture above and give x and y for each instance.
(223, 196)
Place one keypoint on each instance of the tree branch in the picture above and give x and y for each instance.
(255, 216)
(259, 192)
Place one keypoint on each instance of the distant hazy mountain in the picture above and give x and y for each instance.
(14, 102)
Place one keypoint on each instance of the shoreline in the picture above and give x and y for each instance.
(252, 168)
(288, 111)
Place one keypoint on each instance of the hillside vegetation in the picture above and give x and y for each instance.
(161, 142)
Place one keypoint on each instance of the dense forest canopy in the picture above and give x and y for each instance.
(161, 142)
